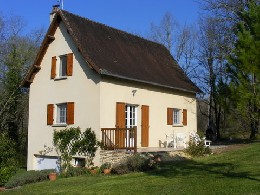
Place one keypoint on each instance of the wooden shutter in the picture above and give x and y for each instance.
(169, 116)
(53, 67)
(145, 126)
(69, 64)
(184, 117)
(50, 109)
(120, 123)
(70, 113)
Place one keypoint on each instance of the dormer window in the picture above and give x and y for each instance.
(64, 68)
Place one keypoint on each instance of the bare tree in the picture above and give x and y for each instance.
(165, 31)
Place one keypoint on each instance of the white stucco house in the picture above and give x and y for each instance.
(87, 74)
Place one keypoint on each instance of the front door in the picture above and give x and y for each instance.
(130, 121)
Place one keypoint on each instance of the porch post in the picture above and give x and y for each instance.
(135, 139)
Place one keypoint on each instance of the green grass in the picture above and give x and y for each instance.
(234, 172)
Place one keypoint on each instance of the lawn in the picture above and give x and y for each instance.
(232, 172)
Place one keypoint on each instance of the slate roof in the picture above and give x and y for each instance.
(116, 53)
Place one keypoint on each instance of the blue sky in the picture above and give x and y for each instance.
(129, 15)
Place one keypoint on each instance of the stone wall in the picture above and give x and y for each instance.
(113, 156)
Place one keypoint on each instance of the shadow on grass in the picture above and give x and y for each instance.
(190, 167)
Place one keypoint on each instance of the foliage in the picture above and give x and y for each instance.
(72, 141)
(27, 177)
(105, 166)
(232, 172)
(8, 162)
(17, 54)
(196, 147)
(134, 163)
(74, 171)
(244, 68)
(64, 143)
(87, 145)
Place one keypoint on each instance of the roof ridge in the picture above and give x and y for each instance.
(115, 29)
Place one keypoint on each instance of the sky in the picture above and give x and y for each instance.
(134, 16)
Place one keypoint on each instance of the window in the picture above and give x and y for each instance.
(64, 68)
(79, 162)
(62, 112)
(176, 116)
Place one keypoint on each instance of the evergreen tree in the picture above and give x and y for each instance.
(244, 68)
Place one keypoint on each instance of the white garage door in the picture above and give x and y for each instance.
(47, 162)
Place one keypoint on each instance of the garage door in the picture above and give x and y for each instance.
(47, 162)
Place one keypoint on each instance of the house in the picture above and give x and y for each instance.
(88, 74)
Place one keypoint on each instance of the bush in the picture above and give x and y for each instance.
(74, 171)
(134, 163)
(8, 162)
(28, 177)
(197, 148)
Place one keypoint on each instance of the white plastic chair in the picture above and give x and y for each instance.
(181, 139)
(169, 140)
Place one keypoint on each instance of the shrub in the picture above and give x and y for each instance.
(28, 177)
(134, 163)
(74, 171)
(197, 148)
(8, 162)
(71, 141)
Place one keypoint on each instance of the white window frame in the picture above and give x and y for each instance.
(58, 116)
(130, 120)
(131, 115)
(62, 67)
(177, 117)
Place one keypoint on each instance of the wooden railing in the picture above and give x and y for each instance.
(119, 138)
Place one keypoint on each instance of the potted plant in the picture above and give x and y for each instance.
(52, 176)
(94, 170)
(106, 168)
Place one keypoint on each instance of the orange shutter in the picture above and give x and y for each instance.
(69, 64)
(70, 113)
(145, 126)
(53, 67)
(184, 117)
(120, 123)
(169, 116)
(50, 108)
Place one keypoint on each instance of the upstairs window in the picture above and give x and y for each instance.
(62, 66)
(60, 114)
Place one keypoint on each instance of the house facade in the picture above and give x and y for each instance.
(87, 74)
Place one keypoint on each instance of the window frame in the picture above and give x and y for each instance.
(177, 117)
(58, 116)
(61, 69)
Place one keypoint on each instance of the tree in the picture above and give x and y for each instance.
(16, 55)
(164, 32)
(244, 67)
(212, 78)
(180, 40)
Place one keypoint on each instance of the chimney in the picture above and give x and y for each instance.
(55, 8)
